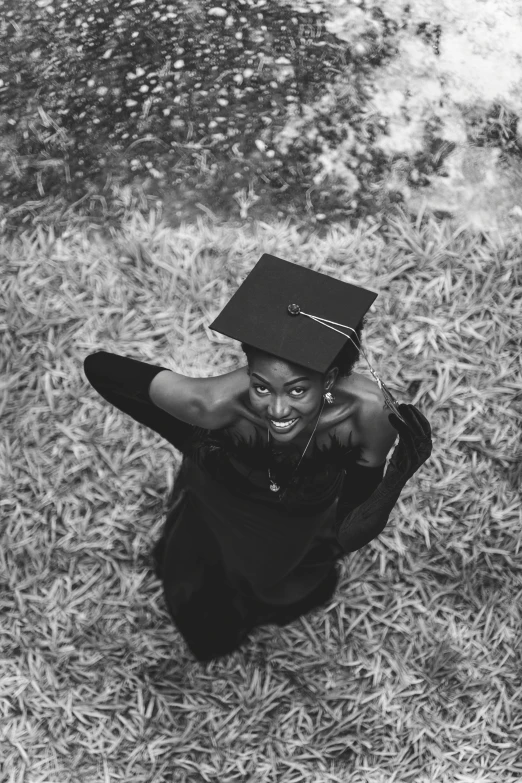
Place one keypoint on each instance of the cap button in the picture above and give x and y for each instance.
(294, 309)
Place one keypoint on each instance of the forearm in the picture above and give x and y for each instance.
(124, 382)
(365, 522)
(179, 396)
(121, 375)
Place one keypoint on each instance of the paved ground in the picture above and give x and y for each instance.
(198, 124)
(470, 55)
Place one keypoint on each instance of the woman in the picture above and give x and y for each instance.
(283, 459)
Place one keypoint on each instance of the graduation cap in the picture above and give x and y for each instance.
(298, 315)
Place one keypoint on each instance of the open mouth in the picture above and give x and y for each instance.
(283, 426)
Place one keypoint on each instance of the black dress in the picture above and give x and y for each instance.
(233, 555)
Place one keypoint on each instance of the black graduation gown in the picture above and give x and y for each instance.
(233, 555)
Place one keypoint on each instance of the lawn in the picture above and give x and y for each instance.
(412, 673)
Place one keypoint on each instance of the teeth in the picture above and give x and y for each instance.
(281, 426)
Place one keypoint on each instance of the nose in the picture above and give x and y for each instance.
(279, 408)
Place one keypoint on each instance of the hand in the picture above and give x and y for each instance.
(414, 446)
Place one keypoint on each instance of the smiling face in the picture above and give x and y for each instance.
(287, 396)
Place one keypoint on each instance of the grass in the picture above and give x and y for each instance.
(412, 673)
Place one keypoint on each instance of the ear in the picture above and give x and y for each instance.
(330, 378)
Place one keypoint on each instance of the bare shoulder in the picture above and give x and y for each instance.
(368, 418)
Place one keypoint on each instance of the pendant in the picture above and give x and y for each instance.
(274, 487)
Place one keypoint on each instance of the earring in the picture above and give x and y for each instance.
(328, 397)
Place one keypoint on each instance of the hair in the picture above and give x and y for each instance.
(344, 361)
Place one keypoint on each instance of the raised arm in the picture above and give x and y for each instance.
(211, 403)
(169, 403)
(365, 522)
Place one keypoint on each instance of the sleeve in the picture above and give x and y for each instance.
(357, 526)
(125, 383)
(359, 483)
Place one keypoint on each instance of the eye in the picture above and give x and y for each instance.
(298, 391)
(260, 389)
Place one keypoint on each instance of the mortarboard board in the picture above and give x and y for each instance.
(297, 314)
(258, 313)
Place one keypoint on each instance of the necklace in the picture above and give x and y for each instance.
(273, 485)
